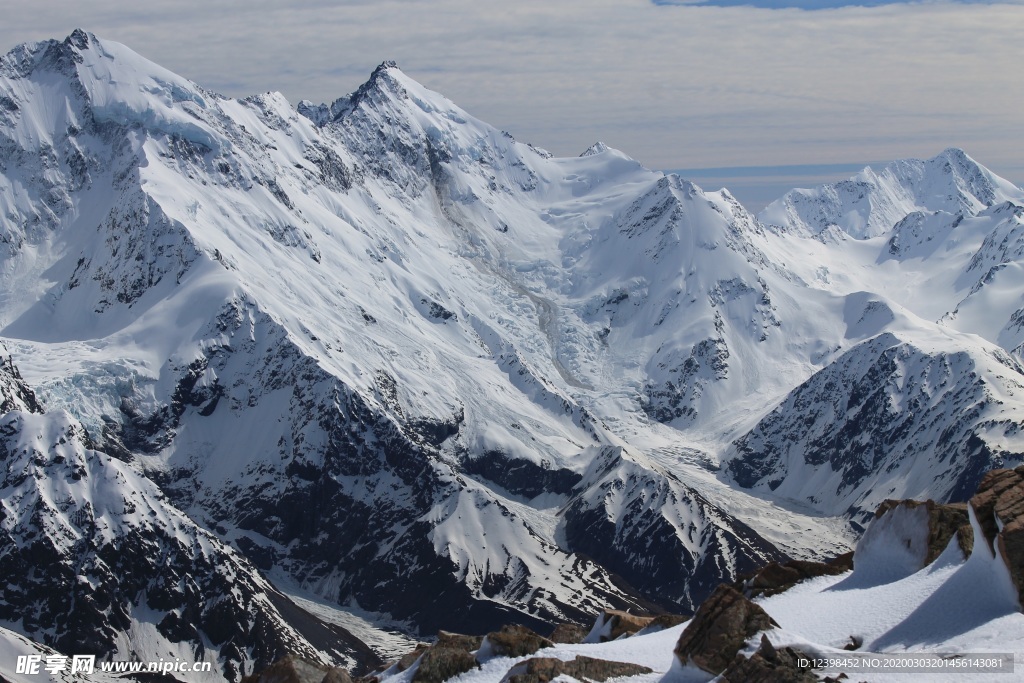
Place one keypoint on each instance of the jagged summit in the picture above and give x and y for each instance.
(872, 202)
(596, 148)
(387, 81)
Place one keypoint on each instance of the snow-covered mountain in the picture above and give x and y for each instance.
(870, 203)
(920, 397)
(417, 367)
(97, 561)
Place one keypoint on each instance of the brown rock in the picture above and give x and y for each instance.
(777, 577)
(769, 665)
(719, 628)
(544, 669)
(408, 659)
(622, 623)
(569, 633)
(441, 663)
(943, 522)
(664, 621)
(515, 641)
(1000, 502)
(295, 669)
(337, 675)
(458, 641)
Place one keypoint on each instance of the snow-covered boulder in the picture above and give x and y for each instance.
(719, 630)
(907, 535)
(513, 640)
(612, 624)
(770, 664)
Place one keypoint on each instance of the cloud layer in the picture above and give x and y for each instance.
(680, 86)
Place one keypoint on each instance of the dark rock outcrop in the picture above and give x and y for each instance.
(776, 577)
(408, 659)
(943, 522)
(769, 665)
(618, 623)
(664, 621)
(544, 669)
(568, 633)
(719, 629)
(513, 641)
(15, 393)
(295, 669)
(441, 663)
(521, 477)
(999, 508)
(458, 641)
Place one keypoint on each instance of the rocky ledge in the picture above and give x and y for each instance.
(999, 508)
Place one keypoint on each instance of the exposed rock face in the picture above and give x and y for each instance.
(777, 577)
(719, 629)
(441, 663)
(943, 522)
(15, 394)
(905, 536)
(544, 669)
(408, 659)
(999, 507)
(513, 641)
(568, 633)
(664, 621)
(862, 423)
(769, 665)
(612, 624)
(295, 669)
(634, 518)
(458, 641)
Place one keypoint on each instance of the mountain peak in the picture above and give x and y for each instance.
(79, 38)
(386, 65)
(386, 81)
(872, 202)
(595, 148)
(956, 153)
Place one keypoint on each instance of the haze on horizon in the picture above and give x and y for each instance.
(794, 95)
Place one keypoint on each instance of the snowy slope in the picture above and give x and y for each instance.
(946, 252)
(853, 435)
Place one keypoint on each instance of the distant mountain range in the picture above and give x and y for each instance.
(383, 355)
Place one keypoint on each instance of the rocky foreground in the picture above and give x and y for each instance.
(731, 636)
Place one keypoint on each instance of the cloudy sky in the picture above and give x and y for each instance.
(762, 89)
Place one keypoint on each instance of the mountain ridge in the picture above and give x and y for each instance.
(380, 343)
